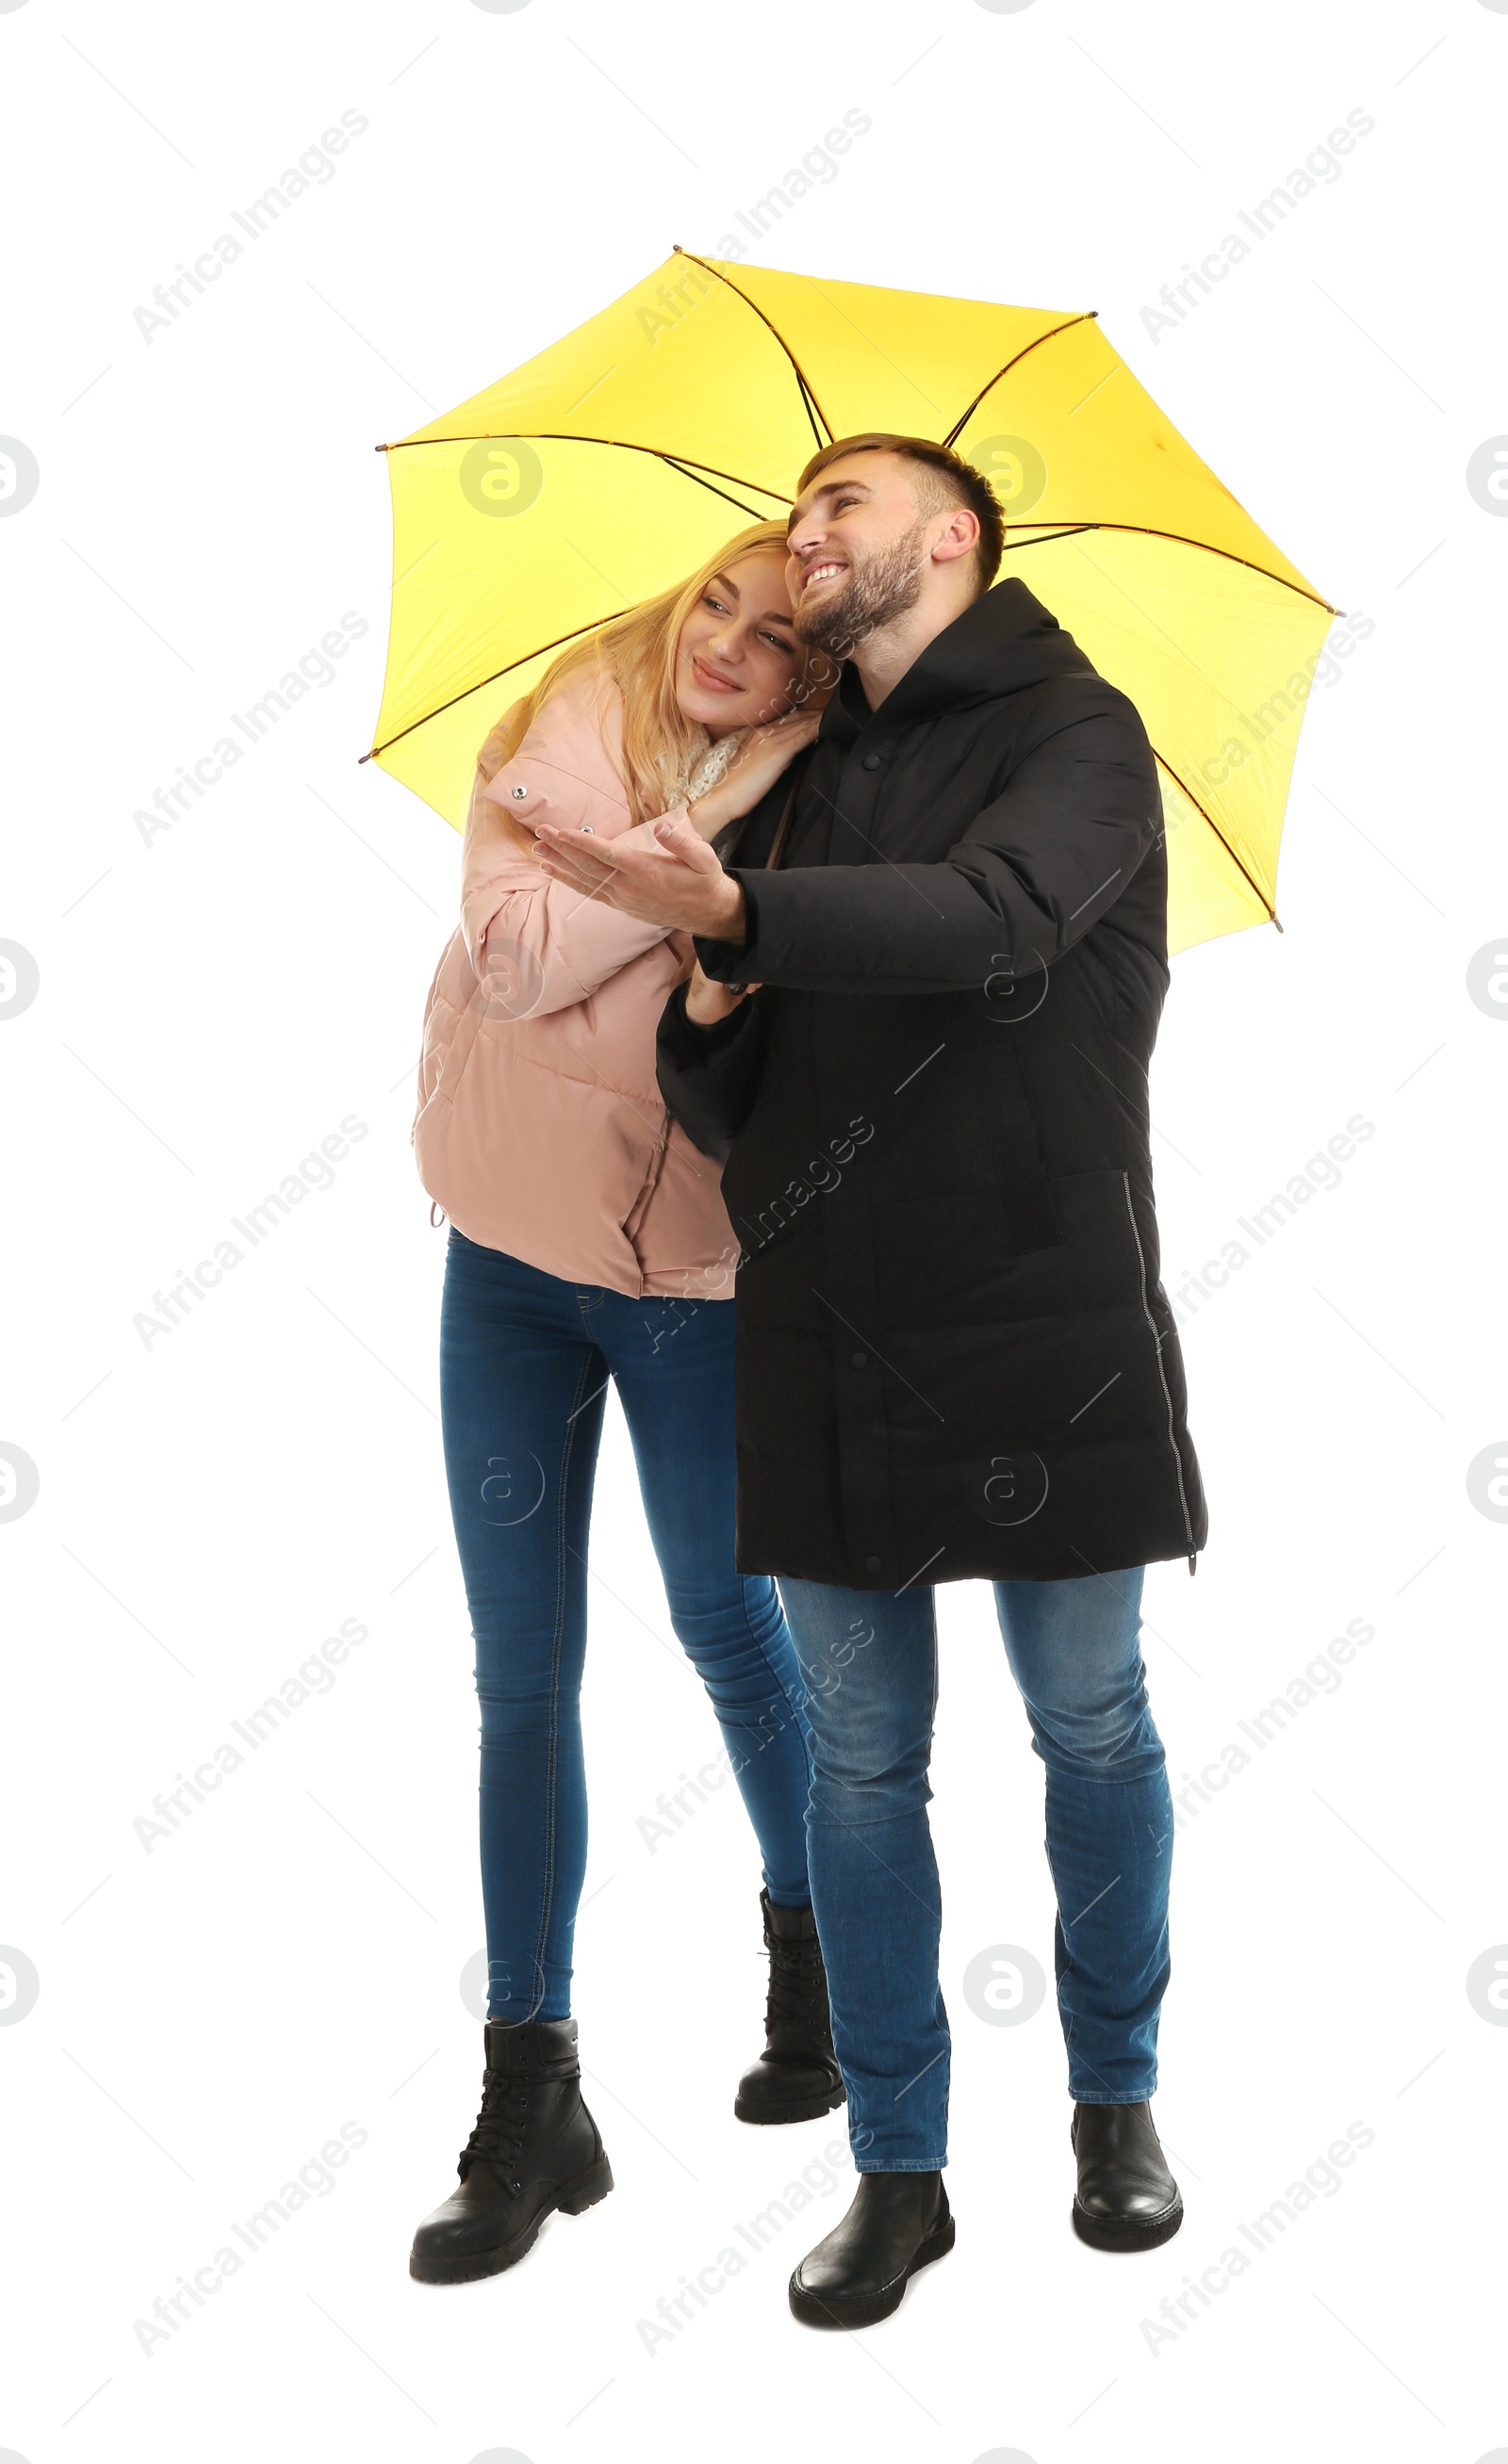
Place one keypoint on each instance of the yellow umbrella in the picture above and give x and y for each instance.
(609, 465)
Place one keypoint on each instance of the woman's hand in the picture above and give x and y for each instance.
(706, 1003)
(763, 754)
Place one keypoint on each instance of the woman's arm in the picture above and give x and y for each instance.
(546, 943)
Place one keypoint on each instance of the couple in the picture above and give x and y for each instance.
(859, 1000)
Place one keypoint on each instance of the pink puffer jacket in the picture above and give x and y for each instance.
(540, 1129)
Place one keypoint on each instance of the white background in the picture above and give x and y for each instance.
(214, 1002)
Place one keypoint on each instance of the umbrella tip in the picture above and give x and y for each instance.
(675, 248)
(1275, 919)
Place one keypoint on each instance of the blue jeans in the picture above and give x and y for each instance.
(525, 1364)
(870, 1663)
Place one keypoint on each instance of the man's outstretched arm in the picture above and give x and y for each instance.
(1044, 862)
(1039, 867)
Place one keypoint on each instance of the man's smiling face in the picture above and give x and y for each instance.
(858, 544)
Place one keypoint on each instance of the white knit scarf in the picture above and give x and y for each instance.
(704, 763)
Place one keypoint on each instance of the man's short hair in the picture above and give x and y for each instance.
(942, 478)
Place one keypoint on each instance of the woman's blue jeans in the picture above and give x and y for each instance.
(525, 1364)
(870, 1663)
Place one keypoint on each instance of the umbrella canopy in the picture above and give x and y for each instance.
(605, 469)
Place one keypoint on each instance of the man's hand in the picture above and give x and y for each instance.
(683, 888)
(707, 1003)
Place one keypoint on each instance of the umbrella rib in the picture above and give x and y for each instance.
(691, 472)
(671, 464)
(1145, 529)
(1179, 538)
(1076, 531)
(1086, 317)
(813, 407)
(495, 678)
(564, 436)
(1209, 822)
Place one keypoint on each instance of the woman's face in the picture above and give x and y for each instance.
(737, 660)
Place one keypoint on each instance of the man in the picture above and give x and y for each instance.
(955, 1358)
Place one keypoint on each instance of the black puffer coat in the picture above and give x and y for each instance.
(955, 1357)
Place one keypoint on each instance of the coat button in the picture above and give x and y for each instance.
(859, 1359)
(871, 761)
(872, 1565)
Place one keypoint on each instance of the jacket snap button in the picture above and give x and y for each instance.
(871, 761)
(872, 1565)
(859, 1359)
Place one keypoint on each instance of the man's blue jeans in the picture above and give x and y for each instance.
(525, 1363)
(870, 1663)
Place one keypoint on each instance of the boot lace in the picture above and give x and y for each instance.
(500, 2123)
(798, 1985)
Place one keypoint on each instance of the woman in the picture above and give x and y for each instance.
(588, 1241)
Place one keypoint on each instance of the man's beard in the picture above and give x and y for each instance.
(884, 587)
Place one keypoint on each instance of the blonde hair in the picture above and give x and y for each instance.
(637, 652)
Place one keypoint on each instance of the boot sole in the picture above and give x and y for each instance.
(807, 2111)
(1126, 2232)
(570, 2199)
(866, 2309)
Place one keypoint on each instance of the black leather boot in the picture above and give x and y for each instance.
(535, 2148)
(796, 2076)
(897, 2223)
(1126, 2197)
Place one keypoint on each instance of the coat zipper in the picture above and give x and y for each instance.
(1172, 1439)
